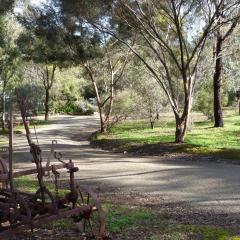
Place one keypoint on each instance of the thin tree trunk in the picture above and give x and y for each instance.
(218, 115)
(239, 107)
(109, 112)
(47, 98)
(3, 116)
(103, 125)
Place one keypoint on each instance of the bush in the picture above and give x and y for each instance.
(83, 108)
(76, 108)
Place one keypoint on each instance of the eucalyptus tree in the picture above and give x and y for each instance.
(102, 58)
(9, 59)
(6, 6)
(5, 55)
(227, 20)
(173, 34)
(148, 99)
(105, 74)
(43, 43)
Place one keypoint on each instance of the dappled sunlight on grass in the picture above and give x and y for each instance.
(203, 137)
(131, 220)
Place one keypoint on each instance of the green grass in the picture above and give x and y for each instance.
(202, 139)
(30, 185)
(126, 221)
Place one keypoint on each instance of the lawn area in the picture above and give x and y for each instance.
(128, 222)
(202, 138)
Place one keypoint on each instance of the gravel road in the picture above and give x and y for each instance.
(175, 178)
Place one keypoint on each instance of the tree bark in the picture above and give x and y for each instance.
(217, 83)
(48, 80)
(182, 121)
(239, 107)
(103, 124)
(181, 129)
(47, 98)
(3, 116)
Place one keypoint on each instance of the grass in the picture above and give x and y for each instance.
(132, 222)
(30, 185)
(126, 222)
(202, 139)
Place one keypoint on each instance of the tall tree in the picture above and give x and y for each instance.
(105, 74)
(43, 43)
(173, 33)
(5, 6)
(8, 59)
(102, 57)
(221, 34)
(168, 29)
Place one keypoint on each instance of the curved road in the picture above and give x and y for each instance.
(206, 185)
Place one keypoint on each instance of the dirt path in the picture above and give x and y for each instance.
(175, 178)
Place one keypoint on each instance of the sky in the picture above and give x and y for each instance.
(18, 9)
(38, 2)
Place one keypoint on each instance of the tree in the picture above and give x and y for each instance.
(5, 6)
(168, 29)
(100, 56)
(174, 37)
(68, 89)
(8, 60)
(146, 91)
(173, 33)
(221, 34)
(40, 43)
(105, 74)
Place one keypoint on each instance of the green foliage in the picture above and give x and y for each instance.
(202, 139)
(204, 100)
(43, 38)
(33, 96)
(123, 104)
(5, 6)
(79, 8)
(77, 108)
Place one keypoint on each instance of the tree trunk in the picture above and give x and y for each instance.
(217, 83)
(47, 98)
(103, 123)
(183, 121)
(180, 130)
(239, 107)
(3, 116)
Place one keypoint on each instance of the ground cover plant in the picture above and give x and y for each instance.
(136, 135)
(127, 222)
